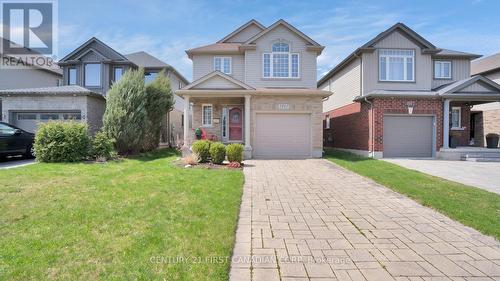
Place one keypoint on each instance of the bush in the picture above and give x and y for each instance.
(159, 101)
(202, 148)
(102, 147)
(58, 141)
(217, 152)
(234, 152)
(191, 159)
(126, 115)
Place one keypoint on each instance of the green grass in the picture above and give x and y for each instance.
(471, 206)
(121, 220)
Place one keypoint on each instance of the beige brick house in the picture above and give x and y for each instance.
(257, 86)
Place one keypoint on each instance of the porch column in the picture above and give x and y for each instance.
(248, 147)
(186, 123)
(446, 123)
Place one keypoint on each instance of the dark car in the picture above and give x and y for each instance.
(15, 141)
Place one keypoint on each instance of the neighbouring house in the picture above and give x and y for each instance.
(257, 86)
(26, 75)
(398, 95)
(486, 116)
(88, 73)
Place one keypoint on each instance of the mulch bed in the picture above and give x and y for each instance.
(181, 164)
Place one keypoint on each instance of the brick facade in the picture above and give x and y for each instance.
(491, 123)
(349, 127)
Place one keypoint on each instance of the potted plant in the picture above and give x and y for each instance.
(492, 140)
(198, 133)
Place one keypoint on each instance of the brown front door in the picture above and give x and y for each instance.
(235, 124)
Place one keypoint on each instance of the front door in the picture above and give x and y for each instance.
(235, 124)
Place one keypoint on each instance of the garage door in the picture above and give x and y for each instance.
(29, 121)
(282, 135)
(408, 136)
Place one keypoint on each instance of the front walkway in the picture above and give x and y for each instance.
(312, 220)
(485, 175)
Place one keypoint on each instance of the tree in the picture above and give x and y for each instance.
(159, 101)
(125, 116)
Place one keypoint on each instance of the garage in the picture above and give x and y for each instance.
(282, 135)
(29, 121)
(408, 136)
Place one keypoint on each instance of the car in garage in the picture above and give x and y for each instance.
(15, 141)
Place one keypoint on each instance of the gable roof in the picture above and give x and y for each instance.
(219, 74)
(87, 43)
(464, 83)
(287, 25)
(427, 47)
(484, 65)
(143, 59)
(216, 49)
(241, 28)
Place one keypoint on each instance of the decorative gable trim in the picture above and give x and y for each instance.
(428, 47)
(241, 28)
(85, 45)
(90, 50)
(209, 76)
(457, 88)
(251, 41)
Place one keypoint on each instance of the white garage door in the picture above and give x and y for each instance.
(408, 136)
(282, 135)
(29, 121)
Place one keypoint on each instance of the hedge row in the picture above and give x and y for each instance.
(217, 152)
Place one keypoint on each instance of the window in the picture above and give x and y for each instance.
(72, 116)
(72, 76)
(327, 122)
(117, 73)
(180, 85)
(26, 116)
(456, 118)
(206, 117)
(49, 116)
(149, 77)
(93, 74)
(280, 63)
(396, 65)
(222, 64)
(442, 69)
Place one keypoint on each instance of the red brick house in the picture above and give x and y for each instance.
(398, 95)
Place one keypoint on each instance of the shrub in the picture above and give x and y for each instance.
(217, 152)
(126, 115)
(191, 159)
(202, 148)
(234, 152)
(159, 101)
(102, 147)
(58, 141)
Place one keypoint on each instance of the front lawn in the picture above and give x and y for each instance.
(135, 219)
(471, 206)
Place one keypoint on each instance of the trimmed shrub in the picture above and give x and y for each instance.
(126, 115)
(217, 152)
(102, 147)
(58, 141)
(159, 101)
(202, 148)
(234, 152)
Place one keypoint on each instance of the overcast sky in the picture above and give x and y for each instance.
(167, 28)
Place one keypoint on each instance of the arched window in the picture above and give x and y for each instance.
(280, 63)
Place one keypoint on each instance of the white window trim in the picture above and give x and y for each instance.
(442, 69)
(203, 115)
(222, 64)
(405, 69)
(459, 117)
(271, 54)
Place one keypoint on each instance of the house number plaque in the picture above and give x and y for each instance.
(283, 106)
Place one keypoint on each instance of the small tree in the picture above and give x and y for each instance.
(126, 115)
(159, 102)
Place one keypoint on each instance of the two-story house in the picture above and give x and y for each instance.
(398, 95)
(88, 73)
(257, 86)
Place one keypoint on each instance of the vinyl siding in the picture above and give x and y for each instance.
(476, 87)
(244, 34)
(27, 78)
(204, 64)
(217, 82)
(396, 40)
(460, 69)
(345, 85)
(307, 59)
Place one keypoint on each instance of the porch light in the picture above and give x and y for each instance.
(410, 106)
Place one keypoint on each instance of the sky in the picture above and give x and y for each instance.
(167, 28)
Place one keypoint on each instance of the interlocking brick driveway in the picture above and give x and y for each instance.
(312, 220)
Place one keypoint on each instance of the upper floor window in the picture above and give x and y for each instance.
(117, 73)
(280, 63)
(150, 76)
(72, 76)
(180, 85)
(442, 69)
(93, 74)
(222, 64)
(397, 65)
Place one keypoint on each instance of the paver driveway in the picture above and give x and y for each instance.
(312, 220)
